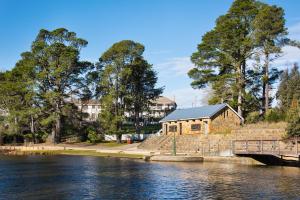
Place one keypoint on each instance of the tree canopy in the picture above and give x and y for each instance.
(250, 32)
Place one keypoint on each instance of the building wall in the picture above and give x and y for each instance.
(224, 121)
(157, 111)
(93, 110)
(186, 126)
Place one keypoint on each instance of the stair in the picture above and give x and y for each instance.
(164, 144)
(154, 142)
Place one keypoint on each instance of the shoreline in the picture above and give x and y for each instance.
(146, 156)
(129, 152)
(71, 152)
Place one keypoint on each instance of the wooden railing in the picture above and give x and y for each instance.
(267, 147)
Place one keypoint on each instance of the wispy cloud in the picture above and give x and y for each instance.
(188, 97)
(159, 52)
(294, 31)
(175, 66)
(289, 56)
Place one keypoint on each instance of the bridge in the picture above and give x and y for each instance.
(269, 151)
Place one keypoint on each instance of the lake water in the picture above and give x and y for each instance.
(83, 177)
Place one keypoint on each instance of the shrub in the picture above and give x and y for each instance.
(42, 136)
(274, 115)
(253, 117)
(293, 128)
(92, 136)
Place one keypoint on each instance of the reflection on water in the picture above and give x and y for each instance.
(79, 177)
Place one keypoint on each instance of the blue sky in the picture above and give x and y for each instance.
(169, 29)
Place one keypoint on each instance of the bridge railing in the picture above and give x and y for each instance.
(272, 147)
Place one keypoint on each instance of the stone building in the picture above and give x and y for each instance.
(219, 118)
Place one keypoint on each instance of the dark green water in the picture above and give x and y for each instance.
(79, 177)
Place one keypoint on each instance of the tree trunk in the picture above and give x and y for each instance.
(1, 139)
(266, 81)
(263, 100)
(58, 129)
(137, 122)
(32, 129)
(241, 69)
(119, 138)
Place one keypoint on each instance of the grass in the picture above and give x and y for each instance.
(84, 153)
(111, 144)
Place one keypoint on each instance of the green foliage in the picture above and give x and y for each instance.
(221, 56)
(293, 128)
(92, 136)
(253, 117)
(274, 115)
(249, 30)
(289, 88)
(59, 74)
(36, 91)
(127, 84)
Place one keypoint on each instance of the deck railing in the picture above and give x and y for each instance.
(268, 147)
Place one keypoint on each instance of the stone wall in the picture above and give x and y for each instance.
(186, 126)
(224, 121)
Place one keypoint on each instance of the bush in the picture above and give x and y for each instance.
(293, 128)
(41, 136)
(253, 117)
(274, 115)
(92, 136)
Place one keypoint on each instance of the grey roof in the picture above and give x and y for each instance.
(194, 113)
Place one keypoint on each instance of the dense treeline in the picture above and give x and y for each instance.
(37, 93)
(235, 58)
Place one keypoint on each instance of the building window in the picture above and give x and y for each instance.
(195, 127)
(93, 116)
(93, 106)
(173, 128)
(224, 114)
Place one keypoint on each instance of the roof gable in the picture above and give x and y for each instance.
(196, 113)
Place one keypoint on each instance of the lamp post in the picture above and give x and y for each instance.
(174, 144)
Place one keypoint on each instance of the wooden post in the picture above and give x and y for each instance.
(232, 147)
(278, 147)
(297, 145)
(208, 148)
